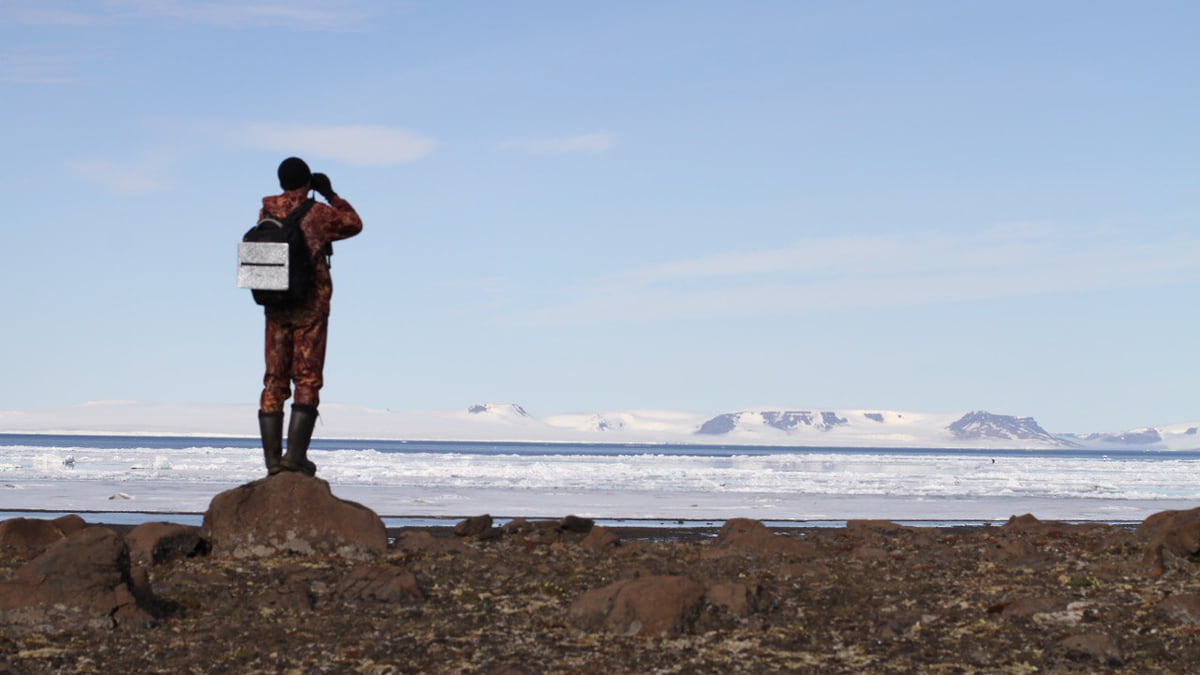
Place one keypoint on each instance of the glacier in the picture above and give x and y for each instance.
(787, 427)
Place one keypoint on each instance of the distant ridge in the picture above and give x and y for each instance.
(510, 422)
(983, 424)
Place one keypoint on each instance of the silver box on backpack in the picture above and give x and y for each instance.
(263, 266)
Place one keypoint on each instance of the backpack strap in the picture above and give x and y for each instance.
(302, 210)
(298, 214)
(295, 215)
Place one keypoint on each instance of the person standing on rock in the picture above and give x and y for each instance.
(296, 334)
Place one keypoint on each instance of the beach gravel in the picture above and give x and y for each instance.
(871, 597)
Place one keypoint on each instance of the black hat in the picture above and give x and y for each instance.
(293, 173)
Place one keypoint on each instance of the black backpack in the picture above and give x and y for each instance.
(302, 265)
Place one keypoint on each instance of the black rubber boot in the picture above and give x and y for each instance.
(270, 427)
(300, 430)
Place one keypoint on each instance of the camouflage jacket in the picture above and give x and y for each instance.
(322, 225)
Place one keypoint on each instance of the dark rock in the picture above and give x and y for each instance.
(600, 539)
(543, 532)
(156, 543)
(743, 535)
(1029, 523)
(1172, 541)
(420, 541)
(576, 524)
(379, 583)
(69, 524)
(1182, 607)
(737, 599)
(516, 526)
(1027, 607)
(82, 581)
(291, 513)
(650, 606)
(24, 538)
(885, 527)
(475, 526)
(1093, 646)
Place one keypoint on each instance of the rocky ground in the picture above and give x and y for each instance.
(562, 596)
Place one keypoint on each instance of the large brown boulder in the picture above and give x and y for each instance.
(652, 606)
(1172, 540)
(83, 581)
(24, 538)
(744, 535)
(291, 513)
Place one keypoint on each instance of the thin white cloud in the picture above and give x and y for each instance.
(133, 177)
(334, 15)
(36, 66)
(590, 143)
(362, 145)
(877, 272)
(40, 14)
(304, 14)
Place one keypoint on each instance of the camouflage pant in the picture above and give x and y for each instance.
(295, 352)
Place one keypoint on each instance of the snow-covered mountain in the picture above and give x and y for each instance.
(511, 422)
(979, 424)
(784, 420)
(881, 428)
(1174, 437)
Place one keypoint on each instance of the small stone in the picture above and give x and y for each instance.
(1095, 646)
(600, 539)
(516, 526)
(1028, 606)
(386, 584)
(475, 526)
(736, 598)
(576, 524)
(420, 541)
(651, 606)
(1182, 607)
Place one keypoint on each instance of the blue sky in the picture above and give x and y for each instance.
(703, 206)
